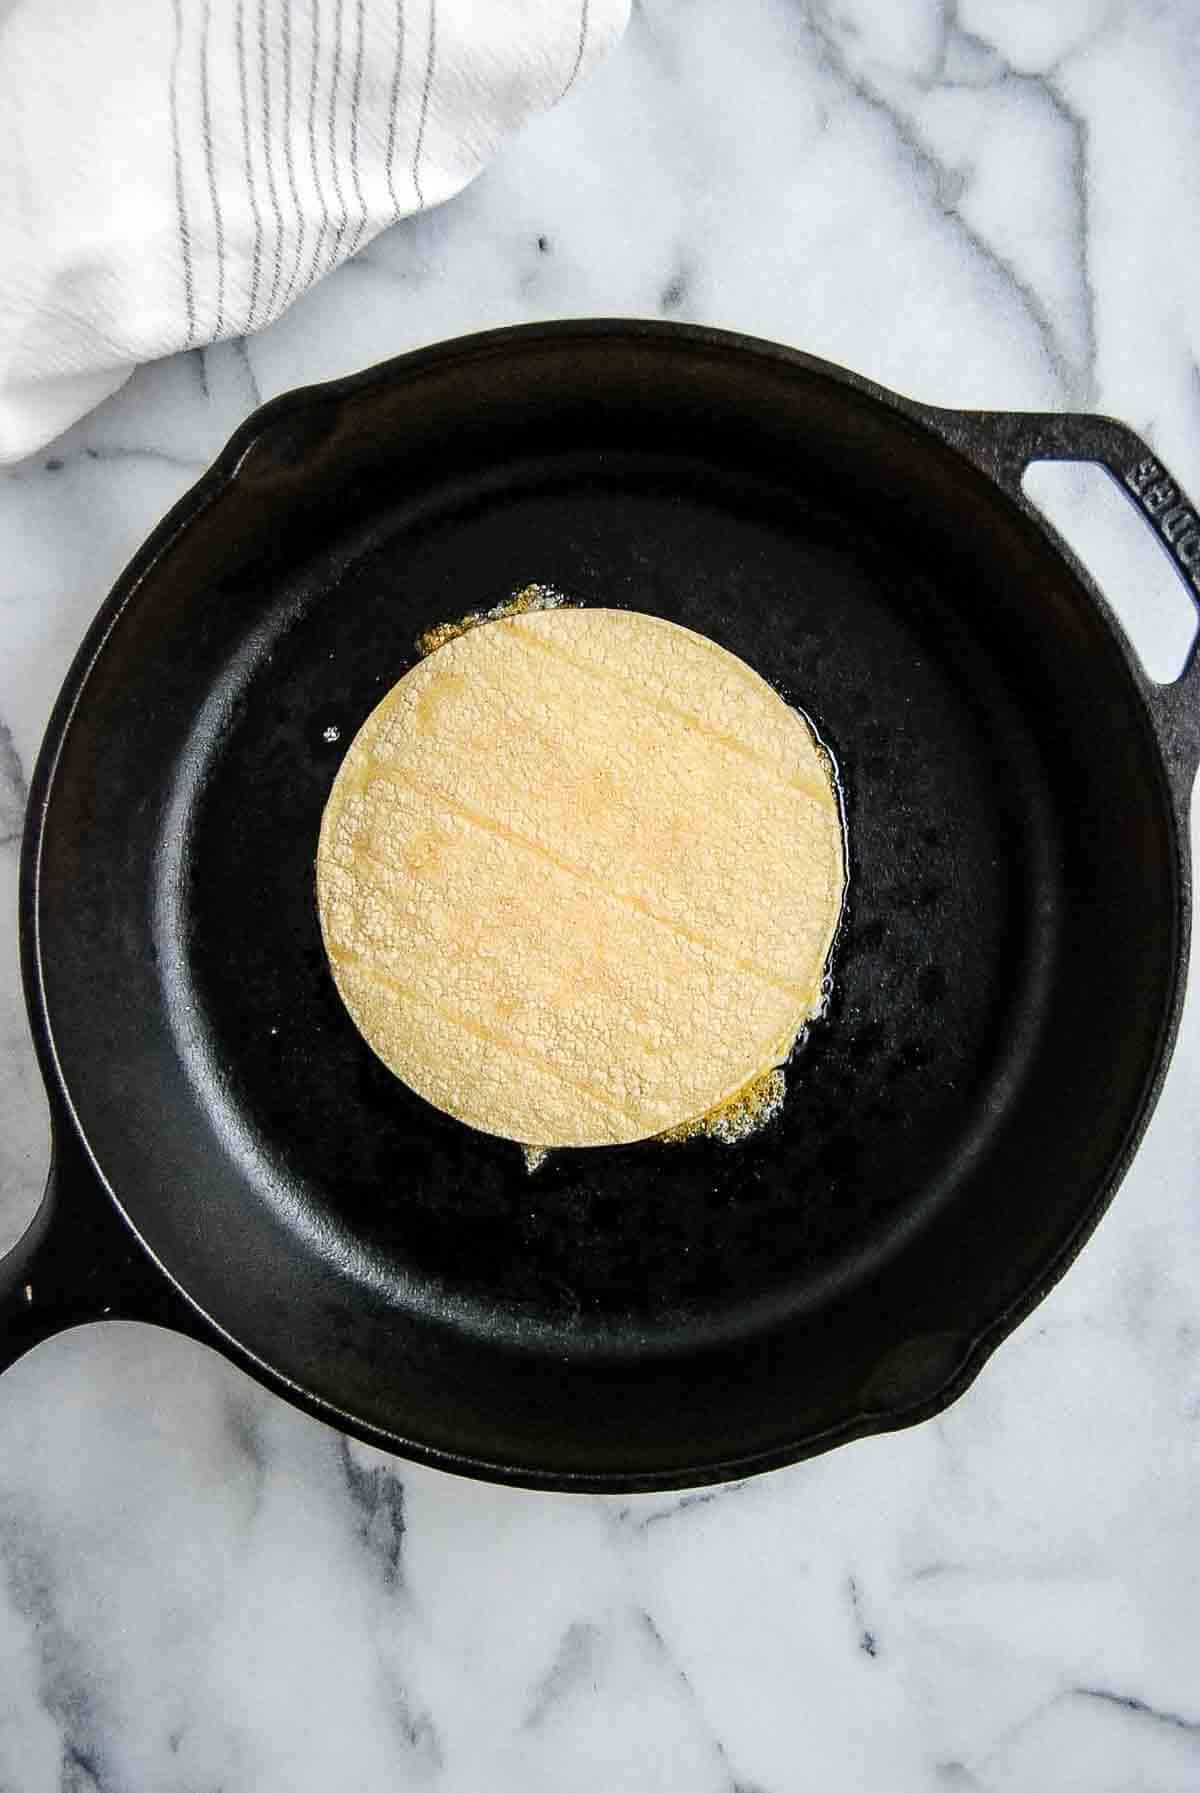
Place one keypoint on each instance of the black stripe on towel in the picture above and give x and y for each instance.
(290, 165)
(185, 236)
(355, 99)
(583, 31)
(393, 105)
(333, 155)
(214, 195)
(430, 56)
(312, 141)
(248, 161)
(264, 62)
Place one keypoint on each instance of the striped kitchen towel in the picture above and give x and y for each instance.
(174, 171)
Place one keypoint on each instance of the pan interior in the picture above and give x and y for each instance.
(998, 985)
(949, 830)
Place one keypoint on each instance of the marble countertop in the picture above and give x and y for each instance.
(979, 202)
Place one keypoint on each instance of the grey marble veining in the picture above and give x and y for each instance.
(986, 202)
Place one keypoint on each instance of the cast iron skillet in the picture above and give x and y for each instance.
(231, 1160)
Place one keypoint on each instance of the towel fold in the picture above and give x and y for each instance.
(175, 171)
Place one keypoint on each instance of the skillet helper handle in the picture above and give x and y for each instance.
(78, 1261)
(1004, 443)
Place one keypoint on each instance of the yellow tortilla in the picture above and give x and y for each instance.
(578, 877)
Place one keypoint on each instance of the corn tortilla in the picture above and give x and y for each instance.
(578, 877)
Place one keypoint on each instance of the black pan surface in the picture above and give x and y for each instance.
(1006, 983)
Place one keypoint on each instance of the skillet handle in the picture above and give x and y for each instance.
(79, 1261)
(1004, 443)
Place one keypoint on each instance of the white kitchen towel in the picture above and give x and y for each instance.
(175, 171)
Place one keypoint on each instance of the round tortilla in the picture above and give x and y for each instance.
(578, 877)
